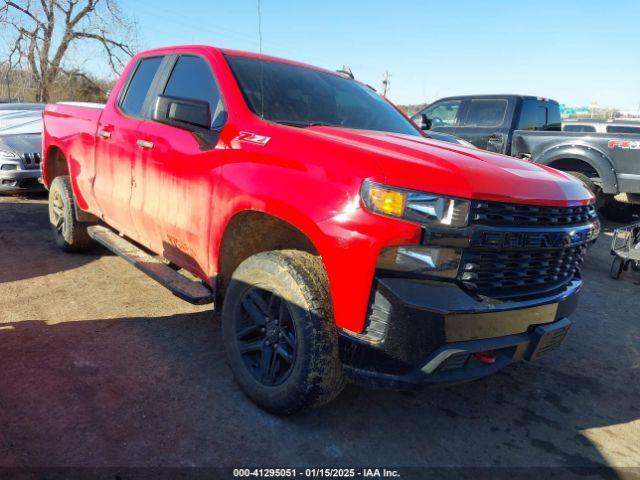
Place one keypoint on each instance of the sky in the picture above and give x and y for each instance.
(574, 51)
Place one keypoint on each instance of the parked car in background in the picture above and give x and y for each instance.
(336, 238)
(601, 126)
(20, 147)
(606, 158)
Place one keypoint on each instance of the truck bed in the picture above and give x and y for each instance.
(72, 132)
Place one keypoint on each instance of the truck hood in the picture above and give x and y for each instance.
(20, 144)
(429, 165)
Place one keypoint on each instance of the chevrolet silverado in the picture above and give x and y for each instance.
(340, 242)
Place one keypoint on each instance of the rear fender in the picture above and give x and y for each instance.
(597, 159)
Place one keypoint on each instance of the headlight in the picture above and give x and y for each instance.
(7, 154)
(415, 206)
(420, 260)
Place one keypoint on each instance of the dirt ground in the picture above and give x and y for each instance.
(100, 366)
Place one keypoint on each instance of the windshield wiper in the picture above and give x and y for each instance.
(298, 123)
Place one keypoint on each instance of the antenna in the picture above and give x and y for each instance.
(345, 71)
(260, 25)
(386, 81)
(261, 62)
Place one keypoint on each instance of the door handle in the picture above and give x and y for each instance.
(104, 133)
(145, 144)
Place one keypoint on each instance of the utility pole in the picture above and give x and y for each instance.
(386, 81)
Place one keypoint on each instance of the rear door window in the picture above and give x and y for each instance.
(139, 86)
(485, 113)
(578, 128)
(193, 79)
(623, 129)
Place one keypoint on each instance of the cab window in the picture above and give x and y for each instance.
(622, 129)
(485, 113)
(537, 115)
(442, 114)
(578, 128)
(193, 79)
(139, 86)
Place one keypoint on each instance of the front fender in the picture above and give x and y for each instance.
(348, 243)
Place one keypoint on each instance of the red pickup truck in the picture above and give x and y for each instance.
(340, 240)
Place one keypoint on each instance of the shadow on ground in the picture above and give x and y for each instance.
(157, 391)
(116, 388)
(27, 246)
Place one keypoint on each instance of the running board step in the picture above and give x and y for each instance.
(192, 291)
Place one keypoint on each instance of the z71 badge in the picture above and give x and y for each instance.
(624, 144)
(253, 138)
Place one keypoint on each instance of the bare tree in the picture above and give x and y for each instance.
(40, 34)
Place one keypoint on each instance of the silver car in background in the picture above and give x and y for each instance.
(20, 147)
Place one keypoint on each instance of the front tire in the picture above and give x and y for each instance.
(279, 334)
(70, 234)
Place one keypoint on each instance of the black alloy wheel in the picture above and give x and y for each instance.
(279, 332)
(266, 336)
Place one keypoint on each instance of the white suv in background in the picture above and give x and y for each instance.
(601, 126)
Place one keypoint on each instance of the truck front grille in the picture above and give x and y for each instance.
(504, 274)
(512, 214)
(31, 161)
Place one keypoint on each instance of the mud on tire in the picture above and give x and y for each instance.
(279, 333)
(70, 235)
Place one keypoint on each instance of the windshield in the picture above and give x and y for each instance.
(304, 97)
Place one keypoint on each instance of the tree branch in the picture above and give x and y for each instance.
(85, 77)
(111, 47)
(46, 29)
(25, 11)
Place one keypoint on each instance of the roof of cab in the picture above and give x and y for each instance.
(231, 52)
(508, 96)
(607, 121)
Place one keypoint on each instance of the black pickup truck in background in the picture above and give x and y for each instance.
(530, 128)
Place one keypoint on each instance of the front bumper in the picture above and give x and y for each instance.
(20, 181)
(421, 332)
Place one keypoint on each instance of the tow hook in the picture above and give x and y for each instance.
(485, 357)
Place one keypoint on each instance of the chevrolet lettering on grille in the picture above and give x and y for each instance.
(532, 240)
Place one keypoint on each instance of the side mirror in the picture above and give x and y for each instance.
(182, 112)
(425, 122)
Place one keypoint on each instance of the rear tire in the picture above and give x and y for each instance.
(70, 235)
(279, 334)
(619, 212)
(616, 267)
(601, 197)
